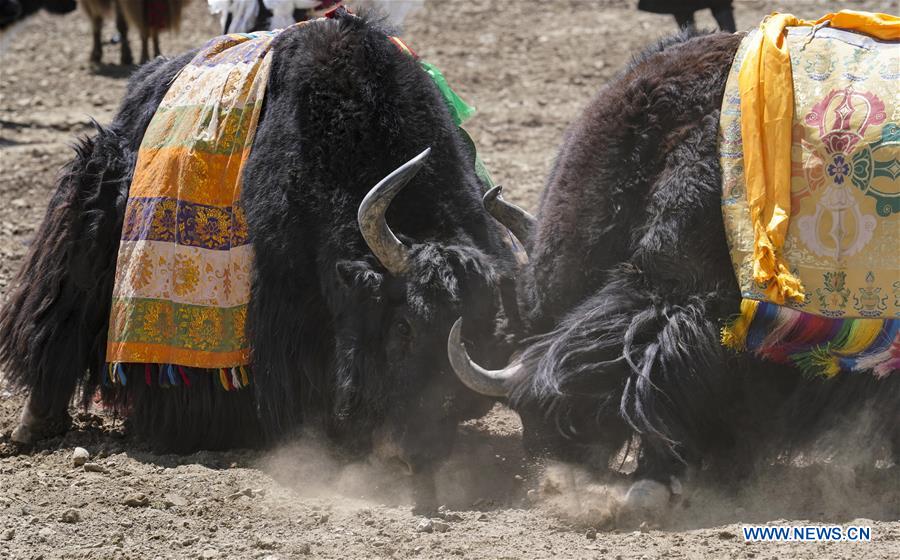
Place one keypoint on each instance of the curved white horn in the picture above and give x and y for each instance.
(485, 381)
(389, 250)
(516, 220)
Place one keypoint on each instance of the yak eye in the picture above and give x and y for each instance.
(403, 327)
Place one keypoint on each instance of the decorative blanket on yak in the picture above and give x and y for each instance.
(183, 271)
(812, 210)
(184, 265)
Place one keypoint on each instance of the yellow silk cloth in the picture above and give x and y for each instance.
(767, 115)
(843, 168)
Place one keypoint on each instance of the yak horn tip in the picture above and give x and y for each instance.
(492, 195)
(420, 158)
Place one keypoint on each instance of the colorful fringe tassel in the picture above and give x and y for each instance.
(817, 345)
(170, 375)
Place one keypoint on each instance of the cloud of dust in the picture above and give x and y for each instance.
(312, 469)
(574, 495)
(486, 469)
(845, 473)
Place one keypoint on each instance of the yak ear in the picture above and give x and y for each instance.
(358, 274)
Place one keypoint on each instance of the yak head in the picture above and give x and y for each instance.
(559, 424)
(398, 305)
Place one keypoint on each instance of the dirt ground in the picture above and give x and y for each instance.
(529, 67)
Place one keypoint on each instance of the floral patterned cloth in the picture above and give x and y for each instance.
(842, 239)
(842, 232)
(183, 271)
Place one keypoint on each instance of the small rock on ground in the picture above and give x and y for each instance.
(70, 516)
(175, 500)
(136, 499)
(80, 456)
(425, 526)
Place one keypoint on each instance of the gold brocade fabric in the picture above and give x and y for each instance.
(843, 231)
(767, 107)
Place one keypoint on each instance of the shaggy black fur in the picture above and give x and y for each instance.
(332, 332)
(12, 11)
(630, 281)
(337, 341)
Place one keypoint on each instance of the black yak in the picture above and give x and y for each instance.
(628, 285)
(347, 327)
(12, 11)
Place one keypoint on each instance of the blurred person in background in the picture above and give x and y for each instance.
(241, 16)
(683, 10)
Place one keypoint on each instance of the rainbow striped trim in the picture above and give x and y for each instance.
(171, 375)
(817, 345)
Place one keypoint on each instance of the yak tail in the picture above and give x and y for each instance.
(656, 365)
(53, 326)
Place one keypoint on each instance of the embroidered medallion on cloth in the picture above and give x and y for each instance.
(843, 232)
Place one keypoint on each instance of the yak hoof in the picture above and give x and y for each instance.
(424, 494)
(32, 428)
(646, 500)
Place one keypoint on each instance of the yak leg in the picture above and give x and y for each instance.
(424, 492)
(38, 421)
(126, 59)
(656, 485)
(156, 51)
(145, 51)
(97, 29)
(53, 326)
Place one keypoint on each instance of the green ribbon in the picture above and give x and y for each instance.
(480, 169)
(459, 109)
(460, 112)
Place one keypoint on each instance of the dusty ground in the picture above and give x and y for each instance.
(529, 67)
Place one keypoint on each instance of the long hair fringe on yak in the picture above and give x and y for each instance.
(629, 282)
(326, 321)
